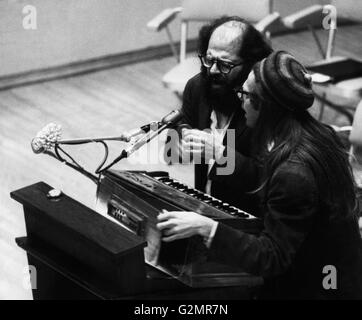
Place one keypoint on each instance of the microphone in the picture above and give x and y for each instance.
(50, 135)
(172, 118)
(46, 138)
(167, 121)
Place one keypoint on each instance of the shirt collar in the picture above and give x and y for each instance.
(213, 119)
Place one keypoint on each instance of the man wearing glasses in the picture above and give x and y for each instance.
(228, 48)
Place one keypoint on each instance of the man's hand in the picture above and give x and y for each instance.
(183, 224)
(202, 144)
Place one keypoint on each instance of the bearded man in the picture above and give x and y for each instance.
(228, 48)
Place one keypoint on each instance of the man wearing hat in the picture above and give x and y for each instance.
(310, 247)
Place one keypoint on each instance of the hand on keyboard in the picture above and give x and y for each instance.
(184, 224)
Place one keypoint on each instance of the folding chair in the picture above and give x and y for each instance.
(339, 77)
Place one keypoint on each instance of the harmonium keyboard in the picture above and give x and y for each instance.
(133, 199)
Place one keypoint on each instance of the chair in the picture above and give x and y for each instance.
(254, 11)
(349, 87)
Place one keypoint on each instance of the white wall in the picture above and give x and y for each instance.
(76, 30)
(285, 7)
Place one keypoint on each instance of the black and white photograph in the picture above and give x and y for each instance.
(181, 155)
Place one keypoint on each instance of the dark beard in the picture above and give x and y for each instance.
(223, 98)
(226, 109)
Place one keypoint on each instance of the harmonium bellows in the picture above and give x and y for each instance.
(133, 199)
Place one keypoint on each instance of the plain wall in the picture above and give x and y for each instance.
(285, 7)
(77, 30)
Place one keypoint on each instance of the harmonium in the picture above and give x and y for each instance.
(133, 199)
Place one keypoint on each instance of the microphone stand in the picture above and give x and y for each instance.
(74, 166)
(149, 129)
(88, 140)
(127, 152)
(166, 122)
(144, 129)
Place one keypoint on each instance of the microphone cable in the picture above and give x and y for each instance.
(75, 165)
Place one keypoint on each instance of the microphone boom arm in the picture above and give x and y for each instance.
(47, 139)
(127, 152)
(76, 167)
(166, 122)
(89, 140)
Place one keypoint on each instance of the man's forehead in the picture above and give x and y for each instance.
(227, 38)
(229, 34)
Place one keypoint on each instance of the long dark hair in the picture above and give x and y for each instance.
(299, 137)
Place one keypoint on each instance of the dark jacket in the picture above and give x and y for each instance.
(299, 240)
(197, 109)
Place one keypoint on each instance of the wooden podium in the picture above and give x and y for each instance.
(79, 254)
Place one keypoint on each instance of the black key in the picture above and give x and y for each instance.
(241, 214)
(204, 198)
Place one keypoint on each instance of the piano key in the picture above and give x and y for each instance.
(242, 215)
(206, 198)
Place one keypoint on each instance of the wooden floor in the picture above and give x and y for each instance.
(99, 104)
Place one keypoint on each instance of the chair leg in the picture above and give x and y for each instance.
(178, 95)
(318, 42)
(172, 44)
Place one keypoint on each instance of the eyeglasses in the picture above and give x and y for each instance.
(243, 95)
(223, 66)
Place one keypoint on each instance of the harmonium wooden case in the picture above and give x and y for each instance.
(133, 200)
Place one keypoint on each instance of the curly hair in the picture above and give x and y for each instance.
(254, 46)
